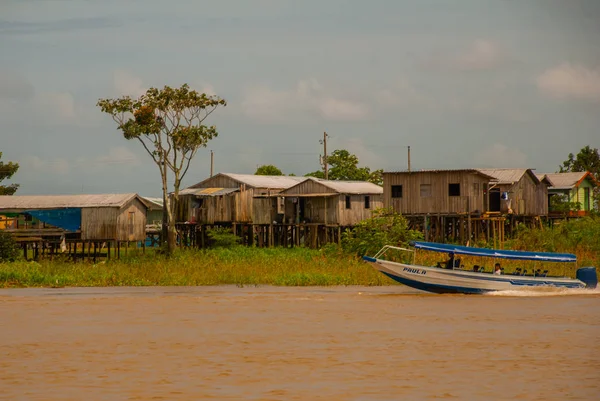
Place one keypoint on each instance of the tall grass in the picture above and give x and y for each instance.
(236, 265)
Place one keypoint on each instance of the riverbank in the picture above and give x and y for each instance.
(238, 265)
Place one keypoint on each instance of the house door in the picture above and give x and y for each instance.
(301, 209)
(586, 199)
(495, 200)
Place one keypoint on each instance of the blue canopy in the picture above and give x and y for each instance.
(67, 218)
(494, 253)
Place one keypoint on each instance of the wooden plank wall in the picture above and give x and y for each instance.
(264, 210)
(102, 223)
(357, 211)
(99, 223)
(309, 187)
(138, 231)
(471, 197)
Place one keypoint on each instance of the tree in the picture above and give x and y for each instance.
(168, 123)
(268, 169)
(344, 166)
(6, 172)
(588, 159)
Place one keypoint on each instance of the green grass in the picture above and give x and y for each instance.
(286, 267)
(238, 265)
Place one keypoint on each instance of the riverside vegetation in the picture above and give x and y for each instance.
(229, 263)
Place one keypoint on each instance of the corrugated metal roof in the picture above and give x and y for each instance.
(462, 170)
(153, 203)
(543, 177)
(207, 191)
(351, 187)
(23, 202)
(565, 180)
(346, 187)
(505, 175)
(259, 181)
(266, 181)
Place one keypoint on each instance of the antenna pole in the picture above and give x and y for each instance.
(409, 159)
(325, 157)
(212, 162)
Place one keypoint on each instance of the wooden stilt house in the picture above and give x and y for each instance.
(341, 203)
(102, 217)
(234, 198)
(518, 192)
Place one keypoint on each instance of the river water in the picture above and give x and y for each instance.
(273, 343)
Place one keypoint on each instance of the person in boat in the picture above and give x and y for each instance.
(448, 264)
(497, 269)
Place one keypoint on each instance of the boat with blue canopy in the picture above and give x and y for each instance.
(453, 277)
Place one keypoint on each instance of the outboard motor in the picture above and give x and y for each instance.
(588, 276)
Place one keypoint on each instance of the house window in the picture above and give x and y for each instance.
(396, 191)
(425, 190)
(131, 223)
(453, 189)
(367, 202)
(347, 201)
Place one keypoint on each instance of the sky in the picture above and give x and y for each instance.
(464, 83)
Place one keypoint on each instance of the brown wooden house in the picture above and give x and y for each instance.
(234, 198)
(342, 203)
(102, 217)
(446, 192)
(517, 191)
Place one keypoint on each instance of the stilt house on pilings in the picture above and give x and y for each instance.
(517, 192)
(443, 192)
(51, 219)
(228, 198)
(444, 204)
(576, 188)
(332, 203)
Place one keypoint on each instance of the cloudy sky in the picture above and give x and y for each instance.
(465, 83)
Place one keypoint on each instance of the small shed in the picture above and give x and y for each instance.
(102, 217)
(447, 192)
(517, 191)
(343, 203)
(576, 187)
(233, 198)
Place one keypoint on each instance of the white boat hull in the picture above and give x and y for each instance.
(441, 281)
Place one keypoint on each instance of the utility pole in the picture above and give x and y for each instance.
(325, 165)
(212, 162)
(409, 159)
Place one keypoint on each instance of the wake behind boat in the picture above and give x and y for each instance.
(455, 279)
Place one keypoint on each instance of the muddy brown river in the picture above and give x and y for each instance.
(267, 343)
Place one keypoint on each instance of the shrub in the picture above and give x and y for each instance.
(221, 237)
(386, 227)
(9, 250)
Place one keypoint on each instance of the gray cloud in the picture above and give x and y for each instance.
(64, 25)
(14, 86)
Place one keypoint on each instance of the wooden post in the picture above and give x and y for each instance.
(108, 251)
(95, 251)
(118, 249)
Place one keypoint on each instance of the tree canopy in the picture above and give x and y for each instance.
(268, 169)
(588, 159)
(7, 170)
(169, 123)
(344, 166)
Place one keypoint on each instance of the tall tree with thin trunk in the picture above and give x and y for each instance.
(7, 170)
(169, 123)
